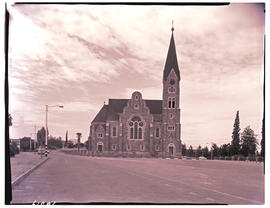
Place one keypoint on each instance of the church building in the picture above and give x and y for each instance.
(138, 127)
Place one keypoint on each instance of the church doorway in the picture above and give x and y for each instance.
(100, 147)
(171, 149)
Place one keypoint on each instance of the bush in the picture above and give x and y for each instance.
(235, 157)
(13, 149)
(260, 159)
(252, 158)
(242, 158)
(228, 158)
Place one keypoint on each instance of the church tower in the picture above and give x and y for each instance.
(171, 105)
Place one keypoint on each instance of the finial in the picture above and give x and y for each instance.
(172, 26)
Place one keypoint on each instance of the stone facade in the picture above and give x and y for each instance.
(137, 127)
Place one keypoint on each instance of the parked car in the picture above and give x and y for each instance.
(202, 158)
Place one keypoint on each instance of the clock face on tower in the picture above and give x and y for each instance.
(172, 81)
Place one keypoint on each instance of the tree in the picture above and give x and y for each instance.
(224, 150)
(9, 120)
(25, 144)
(248, 142)
(13, 149)
(215, 150)
(54, 143)
(66, 138)
(236, 135)
(41, 134)
(70, 144)
(190, 151)
(199, 151)
(79, 140)
(263, 141)
(184, 150)
(205, 152)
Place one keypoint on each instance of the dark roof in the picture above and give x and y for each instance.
(171, 61)
(155, 106)
(102, 114)
(116, 106)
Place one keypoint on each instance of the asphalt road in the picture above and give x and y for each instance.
(81, 179)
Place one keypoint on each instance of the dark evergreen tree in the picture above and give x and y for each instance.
(248, 142)
(199, 151)
(224, 150)
(41, 134)
(9, 120)
(205, 152)
(263, 141)
(79, 140)
(215, 150)
(25, 144)
(190, 151)
(236, 135)
(184, 150)
(66, 138)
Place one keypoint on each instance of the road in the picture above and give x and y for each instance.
(81, 179)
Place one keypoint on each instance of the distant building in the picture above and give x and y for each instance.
(140, 127)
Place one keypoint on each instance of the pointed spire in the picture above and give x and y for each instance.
(171, 61)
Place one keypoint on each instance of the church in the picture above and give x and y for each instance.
(138, 127)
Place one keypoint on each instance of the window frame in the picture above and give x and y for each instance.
(171, 127)
(171, 102)
(100, 135)
(136, 128)
(157, 132)
(114, 131)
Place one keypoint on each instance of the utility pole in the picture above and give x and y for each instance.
(79, 140)
(35, 137)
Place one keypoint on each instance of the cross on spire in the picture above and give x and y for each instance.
(172, 26)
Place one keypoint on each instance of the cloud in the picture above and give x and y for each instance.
(82, 55)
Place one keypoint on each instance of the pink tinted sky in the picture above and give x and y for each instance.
(81, 55)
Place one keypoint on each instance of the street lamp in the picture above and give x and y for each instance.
(46, 133)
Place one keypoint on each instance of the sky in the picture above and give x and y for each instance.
(79, 56)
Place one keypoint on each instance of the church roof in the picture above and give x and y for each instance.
(102, 114)
(171, 61)
(116, 106)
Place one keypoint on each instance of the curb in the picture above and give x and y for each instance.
(24, 175)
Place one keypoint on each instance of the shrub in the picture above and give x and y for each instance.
(260, 159)
(228, 158)
(13, 149)
(242, 158)
(235, 157)
(251, 158)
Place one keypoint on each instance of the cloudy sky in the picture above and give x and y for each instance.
(79, 56)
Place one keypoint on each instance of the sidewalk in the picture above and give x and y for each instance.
(23, 162)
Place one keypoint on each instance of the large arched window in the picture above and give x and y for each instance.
(136, 128)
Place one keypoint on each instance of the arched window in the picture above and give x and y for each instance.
(171, 90)
(136, 128)
(157, 132)
(114, 131)
(171, 102)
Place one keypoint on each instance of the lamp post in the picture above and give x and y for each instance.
(46, 133)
